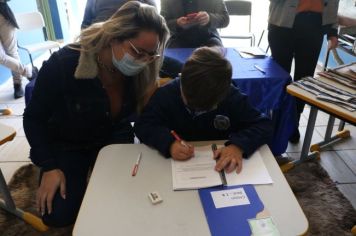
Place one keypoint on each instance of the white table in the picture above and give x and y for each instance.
(331, 109)
(116, 203)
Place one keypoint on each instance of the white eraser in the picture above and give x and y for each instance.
(155, 197)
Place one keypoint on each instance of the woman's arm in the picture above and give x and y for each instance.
(37, 114)
(220, 17)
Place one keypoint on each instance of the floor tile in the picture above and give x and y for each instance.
(9, 168)
(349, 157)
(17, 108)
(298, 147)
(336, 167)
(16, 150)
(345, 144)
(14, 122)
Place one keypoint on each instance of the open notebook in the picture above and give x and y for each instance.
(198, 172)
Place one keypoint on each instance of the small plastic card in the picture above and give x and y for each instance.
(263, 227)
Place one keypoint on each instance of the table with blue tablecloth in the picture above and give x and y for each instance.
(266, 91)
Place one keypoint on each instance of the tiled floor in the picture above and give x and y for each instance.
(339, 159)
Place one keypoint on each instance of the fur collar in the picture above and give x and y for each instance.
(87, 66)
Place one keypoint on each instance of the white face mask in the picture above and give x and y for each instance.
(128, 65)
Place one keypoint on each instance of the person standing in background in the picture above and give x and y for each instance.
(101, 10)
(9, 56)
(194, 23)
(296, 30)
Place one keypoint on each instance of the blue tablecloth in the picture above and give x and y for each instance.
(266, 91)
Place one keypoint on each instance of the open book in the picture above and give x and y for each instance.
(198, 172)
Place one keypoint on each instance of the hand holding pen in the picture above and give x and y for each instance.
(228, 158)
(180, 150)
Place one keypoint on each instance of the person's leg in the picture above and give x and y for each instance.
(75, 167)
(309, 38)
(213, 41)
(9, 56)
(281, 43)
(175, 42)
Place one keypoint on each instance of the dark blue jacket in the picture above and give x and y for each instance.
(66, 114)
(234, 120)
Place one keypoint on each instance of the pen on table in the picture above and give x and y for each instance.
(221, 173)
(135, 168)
(176, 136)
(260, 69)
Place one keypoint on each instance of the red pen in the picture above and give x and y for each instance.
(176, 136)
(135, 168)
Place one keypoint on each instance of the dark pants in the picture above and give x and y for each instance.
(302, 42)
(75, 166)
(189, 42)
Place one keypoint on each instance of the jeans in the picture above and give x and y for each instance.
(9, 56)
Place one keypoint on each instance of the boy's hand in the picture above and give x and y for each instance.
(50, 182)
(229, 158)
(181, 152)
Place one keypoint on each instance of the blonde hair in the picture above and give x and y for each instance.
(126, 23)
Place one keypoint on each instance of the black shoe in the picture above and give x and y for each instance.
(294, 138)
(34, 73)
(281, 160)
(18, 91)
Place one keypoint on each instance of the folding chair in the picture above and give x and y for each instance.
(240, 8)
(33, 21)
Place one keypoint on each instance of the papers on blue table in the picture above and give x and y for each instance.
(251, 52)
(198, 172)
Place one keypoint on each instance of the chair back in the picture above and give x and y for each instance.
(30, 21)
(238, 7)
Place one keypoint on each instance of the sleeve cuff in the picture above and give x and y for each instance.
(245, 155)
(48, 165)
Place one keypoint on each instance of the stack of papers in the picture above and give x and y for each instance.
(198, 172)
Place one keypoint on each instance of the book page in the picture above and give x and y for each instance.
(254, 171)
(197, 172)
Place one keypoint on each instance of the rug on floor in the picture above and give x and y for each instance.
(327, 210)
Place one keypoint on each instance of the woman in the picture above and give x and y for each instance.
(296, 30)
(194, 23)
(84, 97)
(9, 56)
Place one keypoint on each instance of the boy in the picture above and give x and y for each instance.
(204, 105)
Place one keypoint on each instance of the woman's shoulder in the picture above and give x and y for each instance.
(68, 51)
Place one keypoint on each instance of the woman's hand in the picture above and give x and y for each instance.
(332, 42)
(202, 18)
(229, 158)
(50, 182)
(181, 152)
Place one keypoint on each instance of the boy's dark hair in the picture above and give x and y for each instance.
(206, 78)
